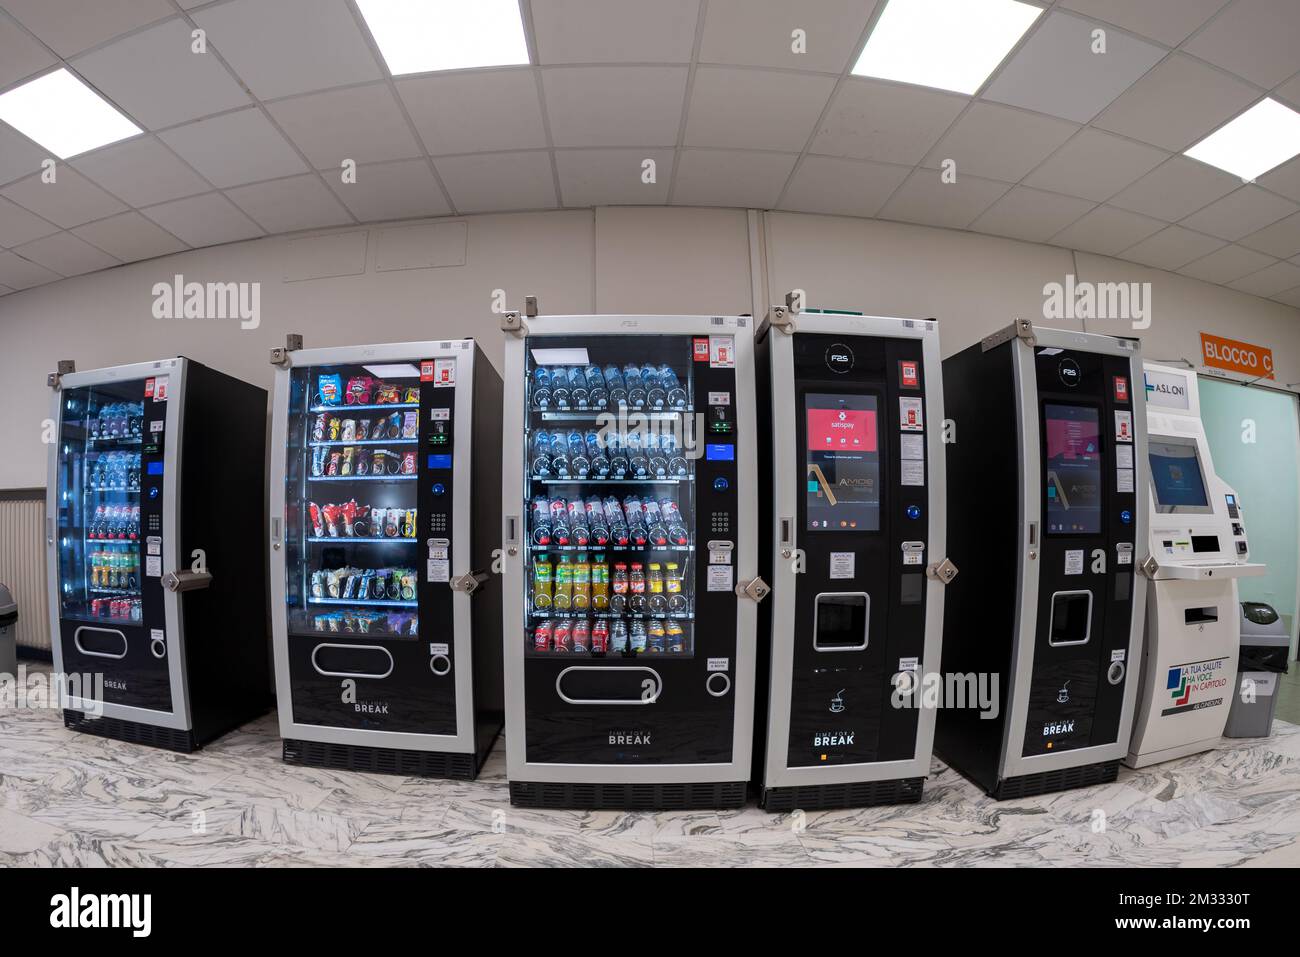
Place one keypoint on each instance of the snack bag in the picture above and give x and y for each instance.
(387, 394)
(330, 389)
(359, 390)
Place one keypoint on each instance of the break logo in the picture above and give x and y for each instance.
(830, 739)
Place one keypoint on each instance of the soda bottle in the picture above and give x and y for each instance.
(673, 588)
(614, 383)
(541, 387)
(658, 603)
(655, 394)
(542, 637)
(636, 530)
(617, 455)
(596, 524)
(674, 640)
(618, 600)
(560, 387)
(562, 636)
(636, 600)
(655, 632)
(672, 386)
(559, 454)
(94, 569)
(563, 599)
(133, 530)
(579, 464)
(581, 636)
(541, 521)
(599, 584)
(635, 388)
(560, 532)
(542, 580)
(597, 394)
(654, 521)
(578, 394)
(618, 533)
(618, 637)
(596, 455)
(637, 637)
(600, 637)
(579, 533)
(541, 458)
(96, 529)
(581, 584)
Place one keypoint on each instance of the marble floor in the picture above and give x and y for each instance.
(70, 799)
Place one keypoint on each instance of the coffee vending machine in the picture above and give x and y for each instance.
(1047, 498)
(853, 545)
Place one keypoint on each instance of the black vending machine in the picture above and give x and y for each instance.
(853, 546)
(153, 528)
(1047, 493)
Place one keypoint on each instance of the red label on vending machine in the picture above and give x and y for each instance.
(148, 388)
(701, 351)
(1121, 389)
(426, 370)
(909, 374)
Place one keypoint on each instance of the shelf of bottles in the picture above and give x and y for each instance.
(357, 520)
(610, 500)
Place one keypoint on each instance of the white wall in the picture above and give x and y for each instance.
(675, 260)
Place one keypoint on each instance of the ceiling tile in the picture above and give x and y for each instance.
(5, 290)
(18, 226)
(495, 182)
(1176, 104)
(477, 111)
(1291, 297)
(843, 187)
(1106, 231)
(19, 156)
(282, 47)
(1257, 39)
(1095, 165)
(158, 80)
(754, 109)
(1269, 281)
(363, 124)
(887, 122)
(1241, 213)
(69, 201)
(731, 178)
(1030, 214)
(1285, 179)
(1289, 92)
(65, 254)
(926, 199)
(1178, 188)
(236, 148)
(399, 190)
(20, 55)
(1172, 248)
(141, 172)
(614, 31)
(612, 177)
(288, 205)
(998, 142)
(19, 273)
(760, 33)
(1226, 264)
(70, 26)
(130, 237)
(614, 106)
(1057, 72)
(1282, 239)
(1168, 21)
(203, 220)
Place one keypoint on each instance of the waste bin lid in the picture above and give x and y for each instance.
(7, 604)
(1259, 612)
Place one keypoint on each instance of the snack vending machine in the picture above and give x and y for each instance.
(854, 548)
(153, 521)
(1047, 498)
(384, 517)
(630, 511)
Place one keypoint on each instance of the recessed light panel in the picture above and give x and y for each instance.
(421, 36)
(946, 44)
(64, 115)
(1265, 136)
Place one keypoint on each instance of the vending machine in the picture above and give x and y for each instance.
(1198, 551)
(384, 518)
(631, 584)
(154, 513)
(1047, 492)
(854, 549)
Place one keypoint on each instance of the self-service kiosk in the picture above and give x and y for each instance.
(853, 546)
(1046, 457)
(1198, 551)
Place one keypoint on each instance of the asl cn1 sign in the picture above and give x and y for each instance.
(1220, 353)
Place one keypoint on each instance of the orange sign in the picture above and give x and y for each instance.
(1221, 353)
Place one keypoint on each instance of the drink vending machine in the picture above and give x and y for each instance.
(853, 546)
(630, 530)
(384, 517)
(153, 536)
(1047, 492)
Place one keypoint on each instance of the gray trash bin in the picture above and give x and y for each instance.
(8, 636)
(1265, 644)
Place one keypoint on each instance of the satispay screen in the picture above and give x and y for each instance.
(842, 462)
(1176, 476)
(1073, 436)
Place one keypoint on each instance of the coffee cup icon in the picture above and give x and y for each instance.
(837, 703)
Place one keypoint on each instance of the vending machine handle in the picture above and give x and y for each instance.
(186, 581)
(469, 583)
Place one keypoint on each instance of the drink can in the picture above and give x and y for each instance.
(562, 638)
(542, 637)
(581, 636)
(600, 637)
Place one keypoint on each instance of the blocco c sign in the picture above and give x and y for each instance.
(1234, 356)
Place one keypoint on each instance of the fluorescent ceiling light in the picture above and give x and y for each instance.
(420, 36)
(64, 115)
(947, 44)
(1266, 135)
(561, 357)
(396, 370)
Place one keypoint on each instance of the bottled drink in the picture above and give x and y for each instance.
(658, 601)
(563, 598)
(542, 581)
(674, 640)
(638, 464)
(635, 387)
(618, 637)
(618, 531)
(560, 387)
(600, 637)
(672, 386)
(559, 454)
(636, 597)
(541, 387)
(541, 457)
(617, 454)
(618, 600)
(636, 530)
(655, 394)
(654, 522)
(656, 460)
(637, 637)
(96, 529)
(596, 455)
(541, 521)
(674, 527)
(579, 464)
(676, 461)
(599, 584)
(673, 588)
(581, 636)
(561, 534)
(596, 524)
(614, 383)
(581, 584)
(578, 394)
(655, 633)
(579, 533)
(597, 394)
